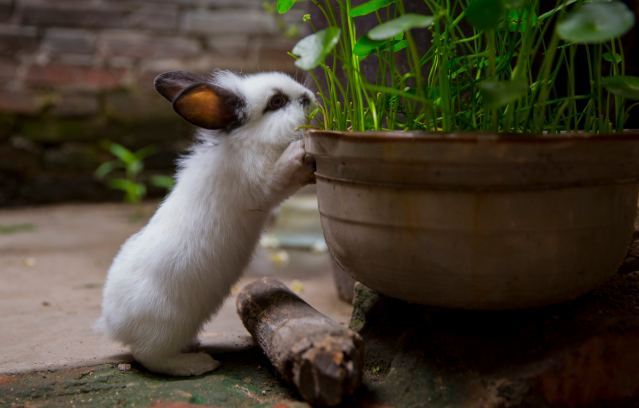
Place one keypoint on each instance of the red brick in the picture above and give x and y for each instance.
(7, 69)
(75, 76)
(20, 101)
(136, 45)
(72, 13)
(6, 7)
(154, 17)
(88, 14)
(226, 22)
(229, 44)
(70, 41)
(15, 38)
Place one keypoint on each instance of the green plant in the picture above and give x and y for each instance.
(133, 164)
(287, 31)
(499, 75)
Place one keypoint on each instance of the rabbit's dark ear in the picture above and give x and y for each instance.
(170, 84)
(209, 106)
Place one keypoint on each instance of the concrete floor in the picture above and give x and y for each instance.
(53, 261)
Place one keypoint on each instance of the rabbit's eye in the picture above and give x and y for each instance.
(277, 102)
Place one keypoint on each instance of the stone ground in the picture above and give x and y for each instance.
(53, 261)
(581, 353)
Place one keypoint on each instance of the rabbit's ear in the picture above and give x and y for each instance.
(170, 84)
(209, 106)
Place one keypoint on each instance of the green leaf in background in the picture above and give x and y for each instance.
(284, 5)
(499, 93)
(366, 46)
(108, 167)
(135, 192)
(596, 22)
(163, 181)
(622, 85)
(121, 152)
(134, 168)
(517, 19)
(313, 49)
(145, 152)
(484, 14)
(369, 7)
(400, 45)
(397, 26)
(608, 57)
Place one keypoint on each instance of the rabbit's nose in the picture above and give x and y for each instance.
(305, 101)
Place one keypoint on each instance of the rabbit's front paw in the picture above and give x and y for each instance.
(294, 168)
(306, 173)
(290, 162)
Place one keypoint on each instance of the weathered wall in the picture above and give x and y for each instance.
(74, 72)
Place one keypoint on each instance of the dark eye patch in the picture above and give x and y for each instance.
(277, 101)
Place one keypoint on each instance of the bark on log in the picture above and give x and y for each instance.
(321, 358)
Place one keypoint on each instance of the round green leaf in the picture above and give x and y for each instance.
(284, 5)
(313, 49)
(596, 22)
(484, 14)
(397, 26)
(365, 46)
(499, 93)
(614, 57)
(622, 85)
(369, 7)
(400, 45)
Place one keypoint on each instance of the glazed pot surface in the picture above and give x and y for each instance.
(477, 221)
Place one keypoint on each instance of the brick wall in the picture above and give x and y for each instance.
(74, 72)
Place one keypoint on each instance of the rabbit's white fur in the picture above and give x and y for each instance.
(173, 275)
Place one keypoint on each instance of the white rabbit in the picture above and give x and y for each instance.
(173, 275)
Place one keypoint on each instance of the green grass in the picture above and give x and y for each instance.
(12, 229)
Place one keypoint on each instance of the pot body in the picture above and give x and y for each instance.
(477, 222)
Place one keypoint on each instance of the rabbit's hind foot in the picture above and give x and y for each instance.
(181, 364)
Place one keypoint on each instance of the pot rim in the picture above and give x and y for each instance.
(470, 137)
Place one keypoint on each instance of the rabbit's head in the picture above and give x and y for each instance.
(265, 107)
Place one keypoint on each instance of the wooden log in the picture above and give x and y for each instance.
(321, 358)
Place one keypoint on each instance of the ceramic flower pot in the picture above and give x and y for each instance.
(477, 221)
